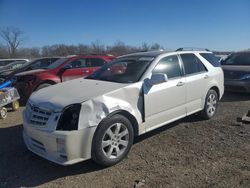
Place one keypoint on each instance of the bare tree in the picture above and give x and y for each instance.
(97, 47)
(145, 46)
(13, 38)
(156, 46)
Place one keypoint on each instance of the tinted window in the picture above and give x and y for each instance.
(96, 62)
(170, 66)
(79, 63)
(211, 59)
(237, 59)
(40, 64)
(192, 64)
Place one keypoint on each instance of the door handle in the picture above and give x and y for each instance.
(85, 71)
(180, 84)
(206, 76)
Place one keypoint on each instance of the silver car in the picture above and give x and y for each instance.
(98, 117)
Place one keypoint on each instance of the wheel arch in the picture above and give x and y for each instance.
(216, 90)
(129, 116)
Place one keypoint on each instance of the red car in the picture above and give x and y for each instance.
(61, 70)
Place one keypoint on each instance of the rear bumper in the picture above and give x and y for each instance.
(61, 147)
(237, 86)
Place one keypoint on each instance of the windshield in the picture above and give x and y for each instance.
(237, 59)
(122, 71)
(57, 63)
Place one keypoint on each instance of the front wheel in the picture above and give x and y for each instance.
(3, 113)
(211, 104)
(112, 140)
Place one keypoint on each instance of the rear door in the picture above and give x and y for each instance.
(79, 68)
(197, 79)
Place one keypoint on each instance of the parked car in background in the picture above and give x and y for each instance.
(32, 65)
(236, 69)
(4, 62)
(12, 66)
(98, 117)
(63, 69)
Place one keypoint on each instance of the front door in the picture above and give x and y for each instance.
(165, 102)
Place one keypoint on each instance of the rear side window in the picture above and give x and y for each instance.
(96, 62)
(170, 66)
(192, 64)
(211, 59)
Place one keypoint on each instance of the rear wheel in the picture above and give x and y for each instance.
(43, 86)
(112, 140)
(3, 113)
(15, 105)
(211, 104)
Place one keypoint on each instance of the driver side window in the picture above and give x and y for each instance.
(169, 65)
(79, 63)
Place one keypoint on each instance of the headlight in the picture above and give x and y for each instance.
(245, 77)
(69, 118)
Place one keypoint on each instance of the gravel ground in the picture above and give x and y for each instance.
(187, 153)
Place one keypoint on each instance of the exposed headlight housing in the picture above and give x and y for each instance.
(69, 118)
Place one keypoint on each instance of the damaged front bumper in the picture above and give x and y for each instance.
(61, 147)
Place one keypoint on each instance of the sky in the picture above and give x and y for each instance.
(213, 24)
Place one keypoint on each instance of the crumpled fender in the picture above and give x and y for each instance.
(129, 99)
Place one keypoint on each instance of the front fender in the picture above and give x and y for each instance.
(125, 99)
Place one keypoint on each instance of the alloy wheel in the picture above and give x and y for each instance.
(211, 104)
(115, 140)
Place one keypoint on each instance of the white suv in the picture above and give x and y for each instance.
(99, 117)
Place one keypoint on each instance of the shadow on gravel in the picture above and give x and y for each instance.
(188, 119)
(234, 97)
(21, 168)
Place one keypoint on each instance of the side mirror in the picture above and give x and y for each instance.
(157, 78)
(64, 68)
(67, 66)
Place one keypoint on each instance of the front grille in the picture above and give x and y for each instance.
(37, 116)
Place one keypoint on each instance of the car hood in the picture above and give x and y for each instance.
(58, 96)
(30, 72)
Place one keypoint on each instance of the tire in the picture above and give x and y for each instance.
(43, 86)
(15, 105)
(211, 104)
(3, 113)
(110, 144)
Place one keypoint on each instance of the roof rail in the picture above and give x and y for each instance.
(192, 49)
